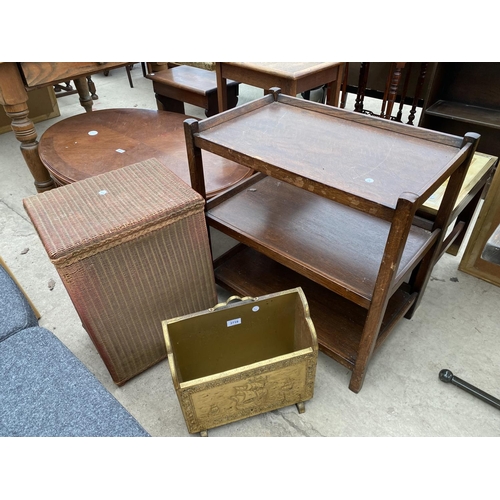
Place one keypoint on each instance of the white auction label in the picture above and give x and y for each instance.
(233, 322)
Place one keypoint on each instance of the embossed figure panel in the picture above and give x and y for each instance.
(255, 391)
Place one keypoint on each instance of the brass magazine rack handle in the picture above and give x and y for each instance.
(230, 299)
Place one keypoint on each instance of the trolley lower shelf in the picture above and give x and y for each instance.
(338, 321)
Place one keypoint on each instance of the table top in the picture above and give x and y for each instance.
(39, 74)
(291, 70)
(331, 151)
(89, 144)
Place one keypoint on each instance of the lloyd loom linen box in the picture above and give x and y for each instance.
(131, 247)
(242, 359)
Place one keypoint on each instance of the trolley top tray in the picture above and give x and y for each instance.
(358, 160)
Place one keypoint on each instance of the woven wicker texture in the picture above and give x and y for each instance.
(104, 210)
(129, 259)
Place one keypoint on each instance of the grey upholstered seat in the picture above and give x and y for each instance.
(15, 312)
(45, 390)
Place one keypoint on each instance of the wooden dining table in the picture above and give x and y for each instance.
(18, 78)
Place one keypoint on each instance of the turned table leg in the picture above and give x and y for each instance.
(92, 88)
(391, 91)
(82, 85)
(25, 133)
(418, 91)
(14, 99)
(363, 79)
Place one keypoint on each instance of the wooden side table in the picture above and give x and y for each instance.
(16, 78)
(291, 77)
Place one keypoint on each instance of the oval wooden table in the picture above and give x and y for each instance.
(93, 143)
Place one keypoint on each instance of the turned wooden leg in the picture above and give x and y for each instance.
(92, 88)
(25, 133)
(402, 100)
(393, 89)
(418, 91)
(82, 86)
(363, 79)
(63, 86)
(14, 100)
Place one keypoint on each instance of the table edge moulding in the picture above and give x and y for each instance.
(312, 216)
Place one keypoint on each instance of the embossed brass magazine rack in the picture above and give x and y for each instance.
(240, 359)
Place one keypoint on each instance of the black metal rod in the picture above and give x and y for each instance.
(448, 377)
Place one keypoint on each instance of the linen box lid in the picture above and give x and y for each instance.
(88, 216)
